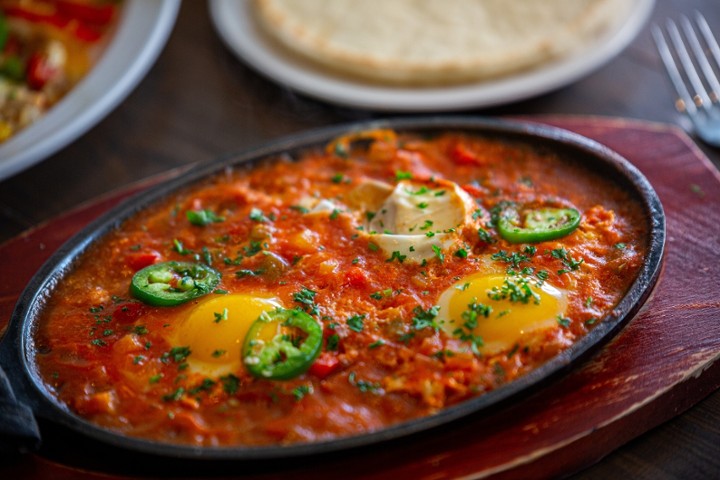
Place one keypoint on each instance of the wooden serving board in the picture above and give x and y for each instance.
(664, 361)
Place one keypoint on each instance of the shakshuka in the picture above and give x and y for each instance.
(339, 291)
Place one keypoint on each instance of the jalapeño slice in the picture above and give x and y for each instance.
(537, 225)
(172, 283)
(288, 350)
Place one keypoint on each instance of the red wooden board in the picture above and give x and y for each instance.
(663, 362)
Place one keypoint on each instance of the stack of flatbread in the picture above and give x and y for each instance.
(434, 41)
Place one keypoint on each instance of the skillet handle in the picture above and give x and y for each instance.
(19, 431)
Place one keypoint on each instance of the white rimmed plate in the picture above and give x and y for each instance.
(233, 21)
(142, 32)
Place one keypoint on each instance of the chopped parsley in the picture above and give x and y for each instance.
(461, 253)
(425, 318)
(470, 316)
(249, 273)
(230, 383)
(443, 354)
(174, 396)
(205, 386)
(377, 343)
(426, 225)
(333, 342)
(438, 253)
(567, 260)
(356, 322)
(253, 248)
(420, 191)
(299, 208)
(406, 337)
(176, 354)
(300, 391)
(396, 255)
(485, 236)
(257, 215)
(515, 289)
(514, 259)
(179, 248)
(541, 275)
(202, 218)
(140, 330)
(381, 294)
(363, 385)
(219, 317)
(306, 297)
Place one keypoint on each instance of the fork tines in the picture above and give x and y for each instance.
(704, 86)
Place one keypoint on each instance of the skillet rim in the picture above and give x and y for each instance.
(17, 348)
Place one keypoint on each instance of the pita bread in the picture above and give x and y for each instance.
(434, 41)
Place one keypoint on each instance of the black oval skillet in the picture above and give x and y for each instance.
(32, 398)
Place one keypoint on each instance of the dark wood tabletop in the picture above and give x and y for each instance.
(199, 102)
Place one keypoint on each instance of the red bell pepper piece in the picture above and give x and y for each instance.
(39, 71)
(461, 155)
(36, 16)
(94, 14)
(139, 260)
(128, 312)
(87, 33)
(325, 364)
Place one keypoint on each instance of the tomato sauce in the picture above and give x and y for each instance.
(112, 359)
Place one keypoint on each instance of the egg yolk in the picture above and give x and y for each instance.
(215, 330)
(517, 306)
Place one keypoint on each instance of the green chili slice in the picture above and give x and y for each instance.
(172, 283)
(290, 352)
(537, 225)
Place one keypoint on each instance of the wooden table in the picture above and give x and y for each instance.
(199, 102)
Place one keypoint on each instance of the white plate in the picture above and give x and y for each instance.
(233, 20)
(142, 32)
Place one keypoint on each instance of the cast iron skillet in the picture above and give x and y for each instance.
(32, 398)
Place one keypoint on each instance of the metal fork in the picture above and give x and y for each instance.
(702, 106)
